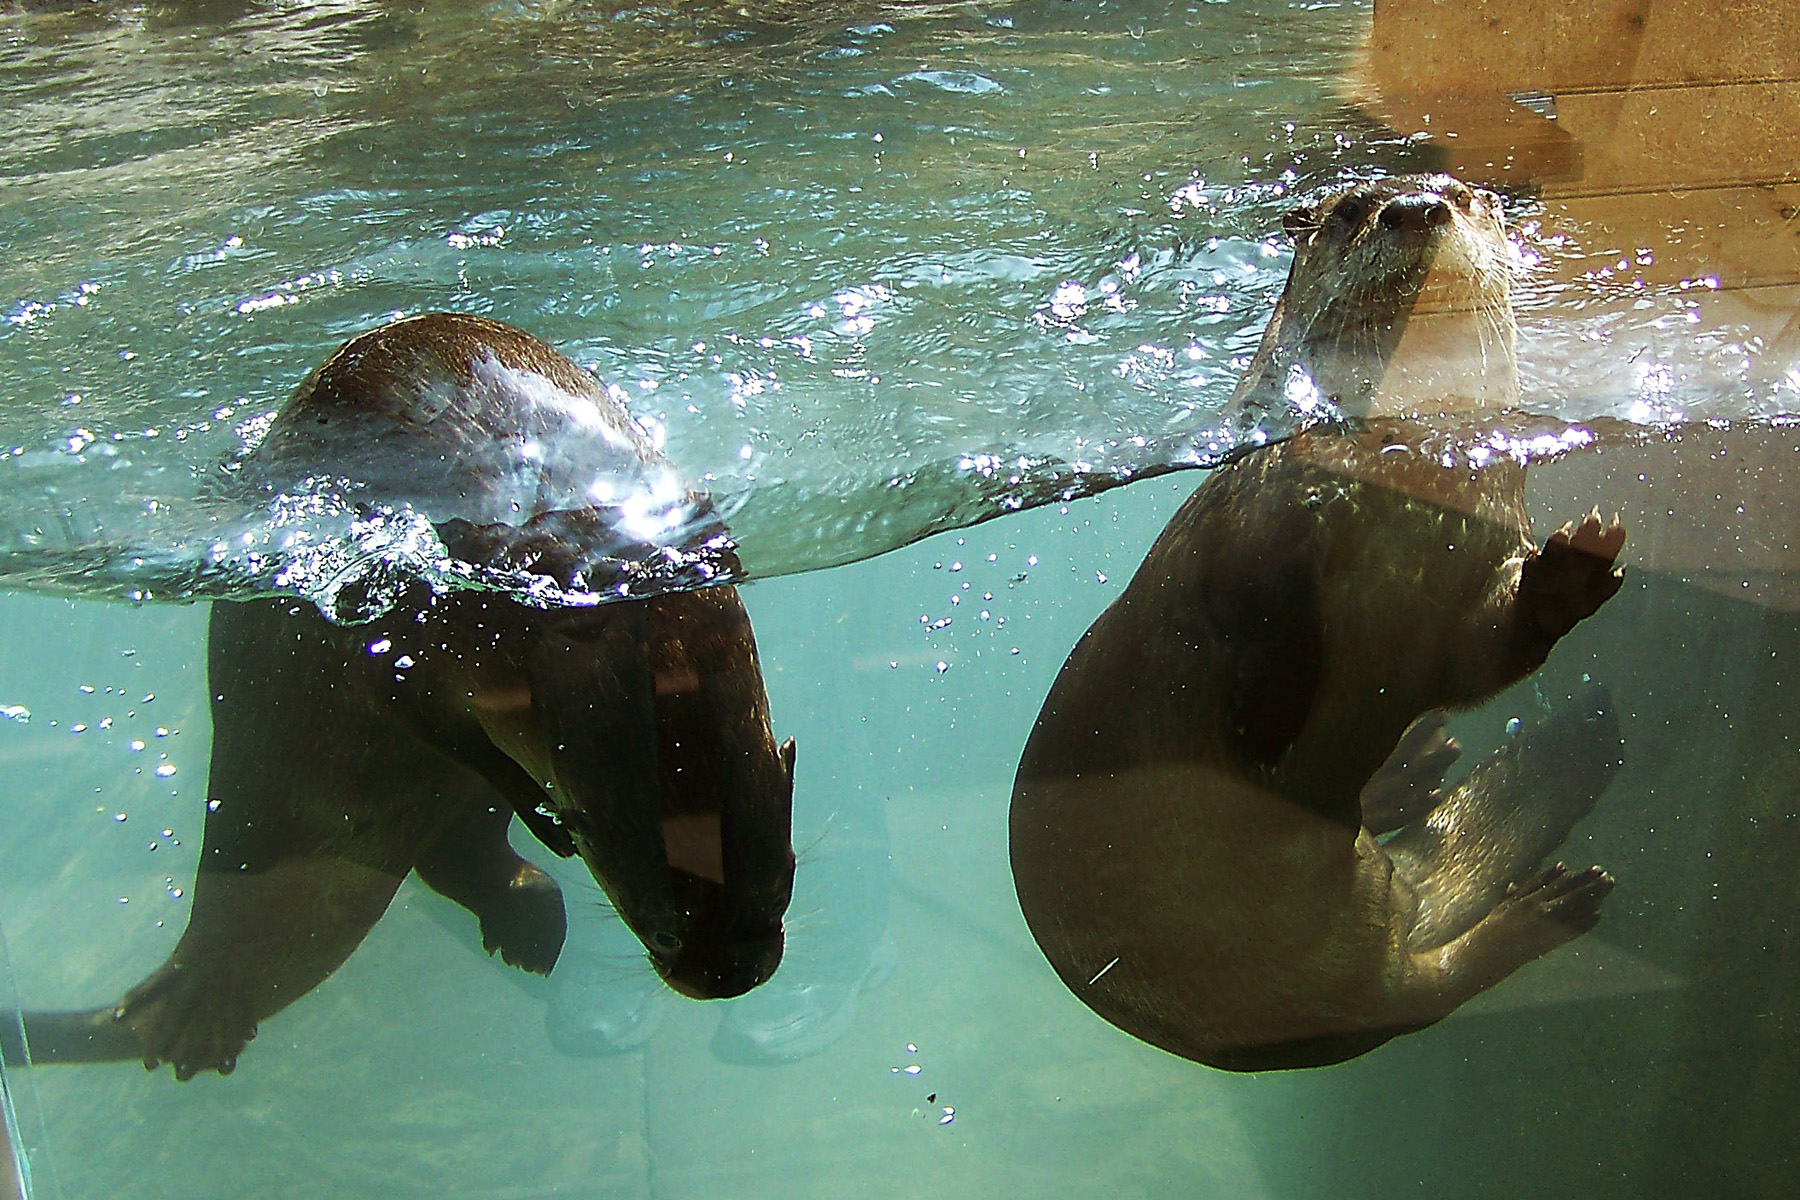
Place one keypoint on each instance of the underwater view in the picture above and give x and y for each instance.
(1064, 598)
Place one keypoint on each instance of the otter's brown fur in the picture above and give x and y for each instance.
(1187, 829)
(635, 734)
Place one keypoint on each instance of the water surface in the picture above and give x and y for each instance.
(866, 273)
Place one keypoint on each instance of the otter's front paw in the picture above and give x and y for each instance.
(525, 921)
(1572, 576)
(1410, 783)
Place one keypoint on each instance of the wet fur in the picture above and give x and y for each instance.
(1353, 291)
(634, 734)
(1187, 828)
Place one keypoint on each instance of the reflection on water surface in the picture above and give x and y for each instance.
(868, 278)
(869, 275)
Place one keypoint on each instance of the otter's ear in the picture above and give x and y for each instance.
(1301, 220)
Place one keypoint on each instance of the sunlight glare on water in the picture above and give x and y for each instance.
(869, 274)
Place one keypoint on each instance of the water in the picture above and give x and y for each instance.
(867, 278)
(873, 273)
(867, 281)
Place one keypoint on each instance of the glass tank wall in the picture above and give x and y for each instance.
(938, 314)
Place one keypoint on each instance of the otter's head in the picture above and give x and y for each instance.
(670, 782)
(731, 876)
(704, 873)
(1399, 300)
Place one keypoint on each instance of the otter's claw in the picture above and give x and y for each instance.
(1572, 576)
(1568, 898)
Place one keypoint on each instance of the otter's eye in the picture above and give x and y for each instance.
(665, 943)
(1350, 212)
(1303, 219)
(1460, 194)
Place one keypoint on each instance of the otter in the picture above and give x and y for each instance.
(635, 734)
(1195, 817)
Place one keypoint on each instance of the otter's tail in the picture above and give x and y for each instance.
(93, 1036)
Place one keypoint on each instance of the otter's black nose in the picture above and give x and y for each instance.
(1415, 213)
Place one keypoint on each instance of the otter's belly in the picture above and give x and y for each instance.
(1200, 912)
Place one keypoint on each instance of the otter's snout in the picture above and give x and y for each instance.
(723, 967)
(1416, 212)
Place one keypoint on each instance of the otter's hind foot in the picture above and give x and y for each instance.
(1557, 906)
(1534, 918)
(194, 1025)
(1572, 576)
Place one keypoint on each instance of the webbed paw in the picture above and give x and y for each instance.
(1572, 576)
(192, 1024)
(1563, 903)
(525, 921)
(1410, 783)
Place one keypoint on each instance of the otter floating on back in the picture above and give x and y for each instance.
(635, 734)
(1192, 842)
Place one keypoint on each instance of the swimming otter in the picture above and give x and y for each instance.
(635, 734)
(1189, 836)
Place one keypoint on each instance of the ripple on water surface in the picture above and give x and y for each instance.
(869, 272)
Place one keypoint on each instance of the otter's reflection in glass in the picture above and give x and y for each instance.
(634, 734)
(601, 1002)
(1196, 817)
